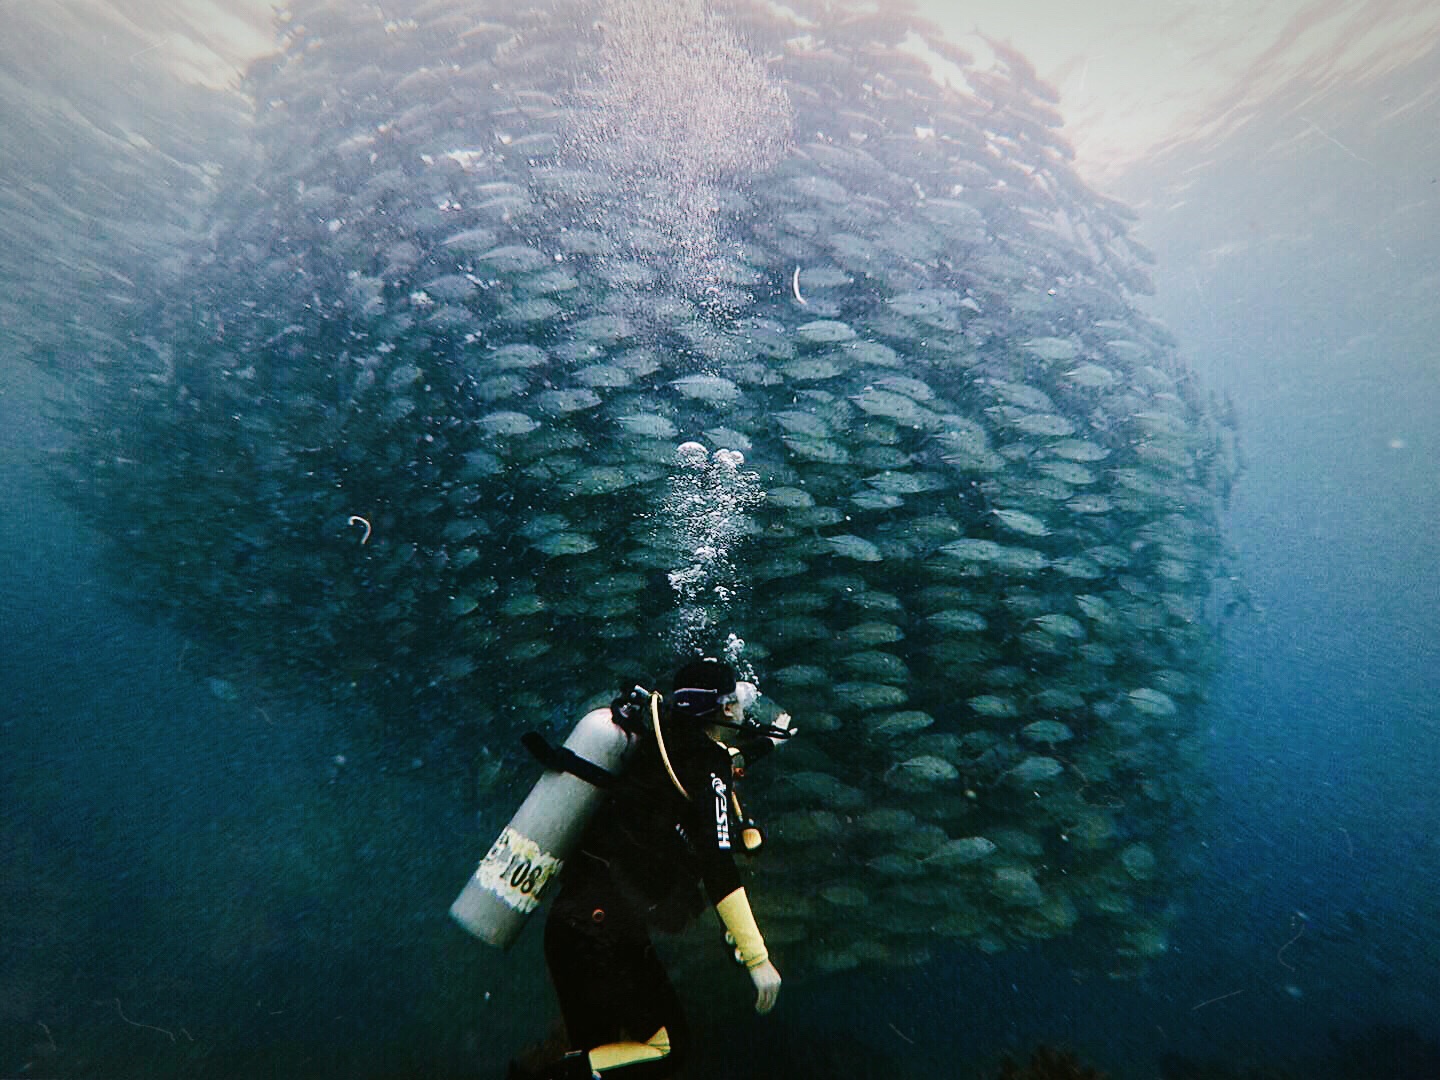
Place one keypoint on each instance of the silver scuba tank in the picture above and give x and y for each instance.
(512, 878)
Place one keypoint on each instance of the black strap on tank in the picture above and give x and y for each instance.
(560, 759)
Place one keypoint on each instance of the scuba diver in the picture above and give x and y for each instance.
(664, 830)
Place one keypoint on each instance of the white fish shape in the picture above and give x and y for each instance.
(1020, 522)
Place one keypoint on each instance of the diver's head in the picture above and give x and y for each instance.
(705, 691)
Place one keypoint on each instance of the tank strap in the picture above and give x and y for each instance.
(562, 759)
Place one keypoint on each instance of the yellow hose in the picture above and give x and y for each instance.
(660, 741)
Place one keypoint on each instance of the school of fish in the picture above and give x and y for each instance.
(408, 437)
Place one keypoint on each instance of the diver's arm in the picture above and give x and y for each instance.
(739, 922)
(754, 745)
(722, 884)
(712, 828)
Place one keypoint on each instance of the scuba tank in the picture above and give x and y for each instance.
(511, 880)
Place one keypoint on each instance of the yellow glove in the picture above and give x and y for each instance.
(739, 920)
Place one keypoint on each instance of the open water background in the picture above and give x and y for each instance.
(144, 817)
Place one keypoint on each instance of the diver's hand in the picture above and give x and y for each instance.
(767, 986)
(785, 724)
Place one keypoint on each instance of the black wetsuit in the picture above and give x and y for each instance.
(640, 867)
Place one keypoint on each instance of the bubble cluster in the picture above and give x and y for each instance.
(707, 515)
(679, 114)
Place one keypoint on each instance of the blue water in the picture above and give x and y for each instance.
(204, 887)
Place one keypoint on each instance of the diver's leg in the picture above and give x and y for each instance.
(617, 1000)
(653, 1019)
